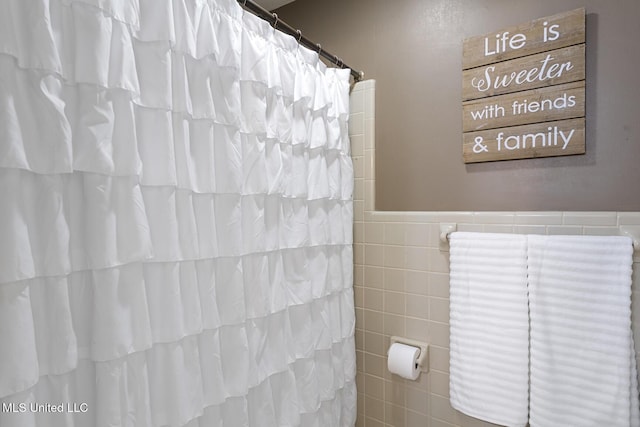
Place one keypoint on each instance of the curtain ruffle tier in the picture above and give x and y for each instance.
(176, 219)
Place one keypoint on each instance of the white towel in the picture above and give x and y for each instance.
(583, 370)
(489, 327)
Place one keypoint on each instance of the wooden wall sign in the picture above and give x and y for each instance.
(523, 90)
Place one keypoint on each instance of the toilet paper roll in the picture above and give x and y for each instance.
(403, 361)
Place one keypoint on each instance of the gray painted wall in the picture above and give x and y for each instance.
(413, 49)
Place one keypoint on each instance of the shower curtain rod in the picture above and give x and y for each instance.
(272, 18)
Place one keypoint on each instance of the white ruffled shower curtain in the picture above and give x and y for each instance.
(175, 220)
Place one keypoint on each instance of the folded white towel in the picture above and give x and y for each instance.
(489, 327)
(583, 370)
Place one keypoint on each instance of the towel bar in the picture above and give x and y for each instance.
(445, 230)
(633, 231)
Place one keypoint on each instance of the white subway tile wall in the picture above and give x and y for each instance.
(401, 282)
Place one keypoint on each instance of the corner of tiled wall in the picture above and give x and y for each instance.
(401, 283)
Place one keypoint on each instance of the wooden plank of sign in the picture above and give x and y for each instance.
(495, 46)
(531, 72)
(520, 108)
(561, 138)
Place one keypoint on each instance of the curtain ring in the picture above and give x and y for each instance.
(299, 35)
(244, 3)
(319, 47)
(275, 22)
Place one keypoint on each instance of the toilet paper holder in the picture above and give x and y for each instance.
(423, 359)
